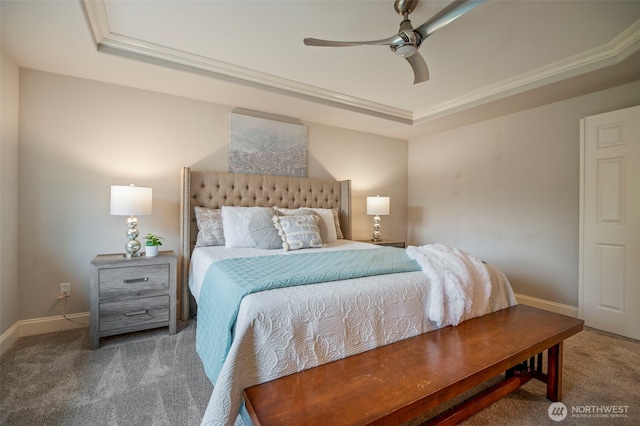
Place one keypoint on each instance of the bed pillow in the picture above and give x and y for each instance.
(235, 221)
(326, 223)
(336, 220)
(298, 232)
(262, 231)
(210, 230)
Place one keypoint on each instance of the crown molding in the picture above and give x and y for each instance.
(114, 43)
(611, 53)
(620, 47)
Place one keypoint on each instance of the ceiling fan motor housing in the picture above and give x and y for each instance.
(410, 43)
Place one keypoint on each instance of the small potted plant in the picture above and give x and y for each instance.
(152, 244)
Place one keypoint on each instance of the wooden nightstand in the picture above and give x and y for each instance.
(392, 243)
(132, 294)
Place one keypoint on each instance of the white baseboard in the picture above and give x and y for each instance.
(9, 337)
(558, 308)
(40, 326)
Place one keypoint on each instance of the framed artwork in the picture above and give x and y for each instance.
(261, 146)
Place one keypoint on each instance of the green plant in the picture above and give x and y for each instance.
(153, 240)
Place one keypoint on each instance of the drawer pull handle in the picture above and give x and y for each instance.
(136, 280)
(132, 314)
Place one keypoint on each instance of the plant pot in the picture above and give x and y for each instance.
(151, 251)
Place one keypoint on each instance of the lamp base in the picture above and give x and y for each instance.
(132, 247)
(130, 255)
(376, 229)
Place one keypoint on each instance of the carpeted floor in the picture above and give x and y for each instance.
(151, 378)
(147, 378)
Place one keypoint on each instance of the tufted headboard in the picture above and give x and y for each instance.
(214, 189)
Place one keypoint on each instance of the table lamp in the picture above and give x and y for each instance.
(378, 206)
(130, 201)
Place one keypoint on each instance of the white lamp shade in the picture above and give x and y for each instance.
(378, 206)
(131, 200)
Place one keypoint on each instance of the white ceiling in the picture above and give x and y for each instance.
(503, 56)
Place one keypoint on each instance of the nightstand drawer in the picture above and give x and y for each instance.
(133, 281)
(133, 313)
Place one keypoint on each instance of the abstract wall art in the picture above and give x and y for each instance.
(262, 146)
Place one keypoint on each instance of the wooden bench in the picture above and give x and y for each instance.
(398, 382)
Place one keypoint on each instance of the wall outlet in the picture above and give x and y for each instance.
(65, 289)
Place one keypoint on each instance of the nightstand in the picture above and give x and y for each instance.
(132, 294)
(392, 243)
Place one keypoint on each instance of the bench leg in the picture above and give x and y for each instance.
(554, 373)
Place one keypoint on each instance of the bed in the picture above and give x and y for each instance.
(280, 330)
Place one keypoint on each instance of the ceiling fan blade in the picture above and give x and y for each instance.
(419, 66)
(447, 15)
(328, 43)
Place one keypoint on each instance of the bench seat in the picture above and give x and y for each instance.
(395, 383)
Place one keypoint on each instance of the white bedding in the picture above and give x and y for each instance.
(283, 331)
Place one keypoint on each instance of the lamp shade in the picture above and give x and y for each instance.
(378, 206)
(131, 200)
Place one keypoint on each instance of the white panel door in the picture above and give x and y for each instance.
(610, 222)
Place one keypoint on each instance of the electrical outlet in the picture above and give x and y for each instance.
(65, 289)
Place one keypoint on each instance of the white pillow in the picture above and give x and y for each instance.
(336, 219)
(326, 224)
(210, 231)
(299, 232)
(235, 221)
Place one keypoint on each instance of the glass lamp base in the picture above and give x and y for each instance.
(132, 248)
(376, 228)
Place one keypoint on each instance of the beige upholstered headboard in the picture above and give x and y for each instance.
(214, 189)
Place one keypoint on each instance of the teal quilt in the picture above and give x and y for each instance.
(228, 281)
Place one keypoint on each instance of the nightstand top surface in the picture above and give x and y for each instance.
(134, 261)
(384, 242)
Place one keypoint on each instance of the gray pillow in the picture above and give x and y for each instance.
(262, 230)
(210, 230)
(299, 232)
(322, 225)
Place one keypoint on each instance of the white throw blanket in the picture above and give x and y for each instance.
(460, 284)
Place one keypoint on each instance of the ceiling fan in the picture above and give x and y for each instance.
(408, 40)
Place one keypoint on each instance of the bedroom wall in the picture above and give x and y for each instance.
(9, 80)
(507, 190)
(78, 137)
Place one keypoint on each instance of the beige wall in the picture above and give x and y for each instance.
(78, 137)
(9, 80)
(507, 190)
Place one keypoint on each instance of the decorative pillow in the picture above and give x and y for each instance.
(336, 221)
(298, 232)
(210, 231)
(262, 231)
(326, 223)
(235, 221)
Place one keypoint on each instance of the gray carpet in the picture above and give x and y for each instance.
(151, 378)
(146, 378)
